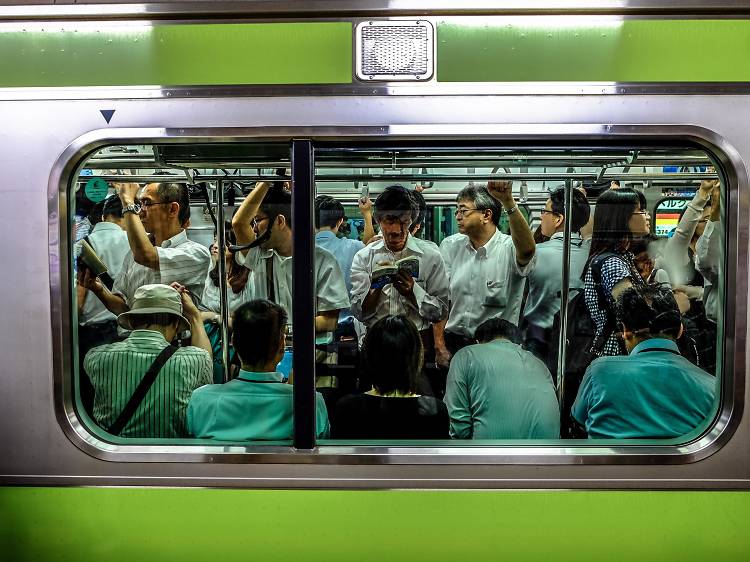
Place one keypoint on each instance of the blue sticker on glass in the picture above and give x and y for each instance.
(96, 189)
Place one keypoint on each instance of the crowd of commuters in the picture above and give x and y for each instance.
(481, 310)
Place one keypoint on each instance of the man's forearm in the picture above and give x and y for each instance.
(438, 332)
(114, 303)
(198, 336)
(523, 238)
(246, 212)
(369, 230)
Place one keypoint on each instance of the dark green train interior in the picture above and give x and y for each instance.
(668, 174)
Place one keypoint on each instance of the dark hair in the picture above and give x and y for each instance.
(420, 207)
(112, 207)
(392, 354)
(394, 200)
(612, 215)
(257, 328)
(96, 212)
(237, 275)
(277, 202)
(497, 328)
(581, 208)
(141, 321)
(642, 244)
(328, 211)
(649, 310)
(482, 199)
(175, 193)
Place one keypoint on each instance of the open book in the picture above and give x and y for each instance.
(93, 262)
(382, 275)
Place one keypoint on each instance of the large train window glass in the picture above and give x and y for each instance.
(456, 259)
(459, 294)
(182, 257)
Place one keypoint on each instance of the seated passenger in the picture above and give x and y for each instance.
(157, 314)
(546, 279)
(392, 356)
(654, 392)
(257, 405)
(497, 390)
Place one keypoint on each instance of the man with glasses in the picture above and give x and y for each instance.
(545, 281)
(486, 267)
(160, 251)
(423, 300)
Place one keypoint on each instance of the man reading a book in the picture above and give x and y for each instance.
(397, 275)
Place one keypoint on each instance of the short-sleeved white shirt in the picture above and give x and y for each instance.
(484, 283)
(330, 288)
(110, 242)
(180, 260)
(430, 288)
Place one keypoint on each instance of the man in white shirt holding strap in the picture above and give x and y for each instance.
(264, 220)
(487, 268)
(160, 251)
(423, 300)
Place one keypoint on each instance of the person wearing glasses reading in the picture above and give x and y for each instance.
(419, 293)
(160, 251)
(487, 269)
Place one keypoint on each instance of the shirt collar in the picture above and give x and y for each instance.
(655, 343)
(147, 335)
(176, 240)
(574, 236)
(104, 225)
(482, 250)
(325, 235)
(413, 245)
(254, 376)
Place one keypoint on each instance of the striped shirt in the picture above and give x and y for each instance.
(180, 260)
(116, 369)
(498, 390)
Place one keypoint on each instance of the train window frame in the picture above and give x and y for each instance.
(705, 441)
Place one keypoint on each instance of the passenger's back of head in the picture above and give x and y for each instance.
(495, 328)
(581, 208)
(258, 328)
(649, 311)
(392, 355)
(328, 212)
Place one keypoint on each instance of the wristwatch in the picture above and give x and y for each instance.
(132, 208)
(511, 210)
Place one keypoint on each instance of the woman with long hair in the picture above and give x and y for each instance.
(238, 289)
(392, 358)
(620, 217)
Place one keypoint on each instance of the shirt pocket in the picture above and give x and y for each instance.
(496, 295)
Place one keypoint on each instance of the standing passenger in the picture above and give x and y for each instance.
(160, 251)
(619, 217)
(423, 300)
(545, 281)
(486, 267)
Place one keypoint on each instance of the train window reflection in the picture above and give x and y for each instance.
(463, 294)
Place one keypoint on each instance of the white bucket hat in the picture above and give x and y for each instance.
(155, 299)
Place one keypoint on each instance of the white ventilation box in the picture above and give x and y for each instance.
(394, 50)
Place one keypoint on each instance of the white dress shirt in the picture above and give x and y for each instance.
(110, 242)
(180, 260)
(330, 288)
(484, 283)
(430, 288)
(211, 297)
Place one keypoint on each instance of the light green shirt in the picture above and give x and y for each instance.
(497, 390)
(116, 369)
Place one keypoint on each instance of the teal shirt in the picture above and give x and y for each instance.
(116, 369)
(252, 407)
(497, 390)
(647, 394)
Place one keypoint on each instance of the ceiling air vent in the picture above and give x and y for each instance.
(394, 50)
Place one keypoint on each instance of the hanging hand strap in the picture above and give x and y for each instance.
(141, 390)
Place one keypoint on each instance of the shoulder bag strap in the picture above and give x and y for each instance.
(141, 390)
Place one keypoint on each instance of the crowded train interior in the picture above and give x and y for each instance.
(465, 293)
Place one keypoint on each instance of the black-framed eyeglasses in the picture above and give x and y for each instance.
(545, 211)
(256, 221)
(145, 205)
(462, 212)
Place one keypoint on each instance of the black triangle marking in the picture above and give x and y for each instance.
(107, 114)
